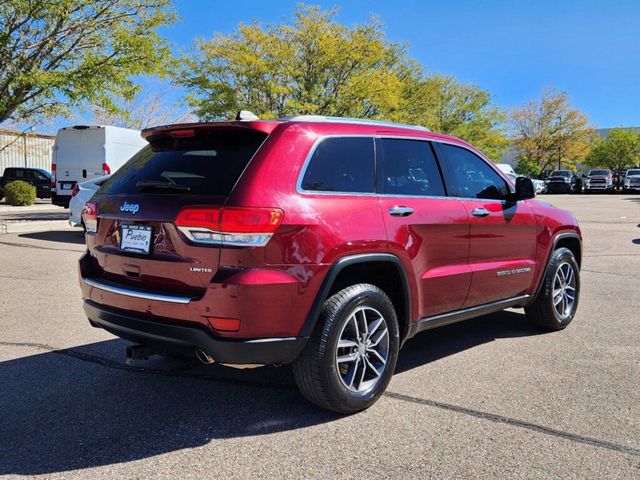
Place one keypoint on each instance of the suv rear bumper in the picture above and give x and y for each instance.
(172, 335)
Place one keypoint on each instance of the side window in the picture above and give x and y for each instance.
(18, 173)
(469, 176)
(409, 167)
(341, 164)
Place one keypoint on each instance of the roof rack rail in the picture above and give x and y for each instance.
(358, 121)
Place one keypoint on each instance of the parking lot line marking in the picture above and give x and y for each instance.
(492, 417)
(517, 423)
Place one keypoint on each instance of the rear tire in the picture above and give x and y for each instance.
(339, 369)
(557, 302)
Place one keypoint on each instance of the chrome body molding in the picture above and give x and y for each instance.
(428, 323)
(136, 293)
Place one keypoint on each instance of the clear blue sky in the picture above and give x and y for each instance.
(513, 49)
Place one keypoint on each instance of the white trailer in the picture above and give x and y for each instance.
(82, 153)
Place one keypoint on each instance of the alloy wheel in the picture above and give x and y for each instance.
(362, 350)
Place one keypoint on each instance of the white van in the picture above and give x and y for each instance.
(82, 153)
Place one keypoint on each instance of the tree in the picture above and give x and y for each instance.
(447, 106)
(148, 108)
(312, 66)
(548, 132)
(317, 66)
(620, 149)
(61, 54)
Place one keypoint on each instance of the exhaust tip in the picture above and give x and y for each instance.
(204, 357)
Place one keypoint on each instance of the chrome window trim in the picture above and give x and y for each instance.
(320, 138)
(135, 293)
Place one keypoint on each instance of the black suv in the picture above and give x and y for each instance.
(39, 178)
(564, 181)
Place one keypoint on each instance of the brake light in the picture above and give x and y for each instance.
(53, 175)
(76, 189)
(183, 133)
(236, 226)
(90, 217)
(105, 169)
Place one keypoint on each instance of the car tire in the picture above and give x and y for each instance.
(557, 301)
(339, 373)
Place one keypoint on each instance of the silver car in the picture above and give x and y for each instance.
(631, 180)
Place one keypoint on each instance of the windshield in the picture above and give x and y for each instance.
(635, 171)
(598, 172)
(561, 173)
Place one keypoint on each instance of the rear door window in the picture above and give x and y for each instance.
(408, 167)
(208, 164)
(341, 164)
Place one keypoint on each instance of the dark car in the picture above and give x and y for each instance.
(564, 181)
(39, 178)
(318, 241)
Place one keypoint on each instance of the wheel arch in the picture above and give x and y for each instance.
(570, 240)
(383, 270)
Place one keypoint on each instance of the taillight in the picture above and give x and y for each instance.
(105, 169)
(233, 226)
(90, 217)
(53, 175)
(76, 189)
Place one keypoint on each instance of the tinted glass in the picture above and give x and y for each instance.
(561, 173)
(409, 167)
(341, 164)
(633, 172)
(470, 176)
(599, 172)
(200, 166)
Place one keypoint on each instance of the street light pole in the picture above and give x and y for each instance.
(559, 142)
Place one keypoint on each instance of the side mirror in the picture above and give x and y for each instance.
(524, 188)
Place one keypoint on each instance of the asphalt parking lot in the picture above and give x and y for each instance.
(491, 397)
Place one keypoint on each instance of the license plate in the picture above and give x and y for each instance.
(66, 186)
(136, 238)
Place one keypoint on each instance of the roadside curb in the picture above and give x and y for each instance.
(31, 208)
(36, 226)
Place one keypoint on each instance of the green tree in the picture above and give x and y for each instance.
(447, 106)
(61, 54)
(618, 150)
(312, 66)
(315, 65)
(548, 131)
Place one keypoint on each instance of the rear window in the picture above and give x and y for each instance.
(209, 164)
(341, 164)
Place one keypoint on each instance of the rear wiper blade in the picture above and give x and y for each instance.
(144, 184)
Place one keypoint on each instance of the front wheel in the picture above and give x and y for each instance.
(557, 301)
(352, 353)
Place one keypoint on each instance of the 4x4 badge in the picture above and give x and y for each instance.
(130, 207)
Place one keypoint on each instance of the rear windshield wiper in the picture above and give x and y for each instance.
(148, 184)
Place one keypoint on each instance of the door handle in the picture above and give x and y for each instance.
(398, 211)
(480, 212)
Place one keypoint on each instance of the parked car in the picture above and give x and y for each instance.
(508, 170)
(83, 153)
(318, 241)
(80, 194)
(39, 178)
(631, 180)
(564, 181)
(599, 179)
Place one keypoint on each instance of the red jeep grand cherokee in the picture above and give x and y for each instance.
(322, 242)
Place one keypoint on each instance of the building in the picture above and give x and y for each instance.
(18, 149)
